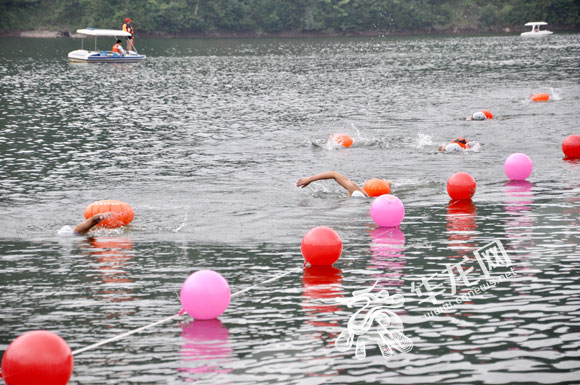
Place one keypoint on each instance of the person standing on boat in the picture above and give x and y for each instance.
(127, 27)
(118, 48)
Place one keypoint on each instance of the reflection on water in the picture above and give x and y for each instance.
(206, 345)
(321, 286)
(387, 255)
(112, 254)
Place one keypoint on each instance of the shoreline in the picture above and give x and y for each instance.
(47, 34)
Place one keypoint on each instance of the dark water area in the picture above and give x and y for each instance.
(206, 140)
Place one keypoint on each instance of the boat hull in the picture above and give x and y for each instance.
(83, 56)
(536, 34)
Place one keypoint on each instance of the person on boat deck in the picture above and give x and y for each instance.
(353, 189)
(457, 144)
(127, 27)
(118, 48)
(479, 115)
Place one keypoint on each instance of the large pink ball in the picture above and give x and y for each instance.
(387, 211)
(518, 166)
(205, 295)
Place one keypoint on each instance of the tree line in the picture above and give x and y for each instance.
(262, 17)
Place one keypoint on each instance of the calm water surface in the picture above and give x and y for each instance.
(206, 140)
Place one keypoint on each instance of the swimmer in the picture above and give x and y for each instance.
(479, 115)
(83, 228)
(353, 189)
(457, 144)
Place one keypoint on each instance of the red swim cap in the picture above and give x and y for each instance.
(461, 142)
(127, 20)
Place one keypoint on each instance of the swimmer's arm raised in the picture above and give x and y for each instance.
(342, 180)
(84, 227)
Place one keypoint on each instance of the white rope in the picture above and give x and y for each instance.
(121, 336)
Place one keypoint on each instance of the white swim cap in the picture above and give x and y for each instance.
(453, 147)
(478, 116)
(358, 194)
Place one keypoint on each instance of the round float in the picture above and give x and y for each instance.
(376, 187)
(461, 185)
(571, 146)
(321, 246)
(124, 214)
(37, 357)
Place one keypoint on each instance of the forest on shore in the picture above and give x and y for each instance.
(279, 17)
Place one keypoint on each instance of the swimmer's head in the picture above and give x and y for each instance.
(477, 116)
(358, 194)
(462, 142)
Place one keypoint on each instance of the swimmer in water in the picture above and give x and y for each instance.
(457, 144)
(479, 115)
(353, 189)
(83, 228)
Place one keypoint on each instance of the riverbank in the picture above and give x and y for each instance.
(290, 34)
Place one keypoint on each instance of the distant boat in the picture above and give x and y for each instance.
(536, 32)
(102, 56)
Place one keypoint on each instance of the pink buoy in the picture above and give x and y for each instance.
(518, 166)
(387, 211)
(205, 295)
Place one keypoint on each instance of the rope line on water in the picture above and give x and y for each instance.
(181, 312)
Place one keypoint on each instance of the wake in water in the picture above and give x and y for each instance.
(426, 141)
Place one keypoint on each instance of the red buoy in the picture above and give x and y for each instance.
(124, 214)
(37, 358)
(461, 185)
(571, 146)
(321, 246)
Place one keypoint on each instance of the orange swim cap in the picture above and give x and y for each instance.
(376, 187)
(342, 139)
(540, 97)
(487, 114)
(462, 142)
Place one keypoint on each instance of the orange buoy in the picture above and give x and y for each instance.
(123, 213)
(487, 114)
(462, 142)
(377, 187)
(342, 139)
(540, 97)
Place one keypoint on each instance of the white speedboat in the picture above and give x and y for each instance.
(102, 56)
(536, 32)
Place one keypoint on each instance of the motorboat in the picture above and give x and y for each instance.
(536, 32)
(103, 56)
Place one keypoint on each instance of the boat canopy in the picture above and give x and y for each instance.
(535, 23)
(102, 32)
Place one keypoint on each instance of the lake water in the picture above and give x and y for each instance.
(206, 140)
